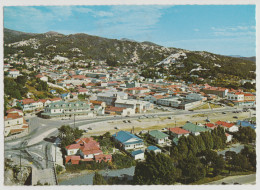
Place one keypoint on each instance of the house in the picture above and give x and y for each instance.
(158, 136)
(119, 111)
(194, 129)
(231, 127)
(72, 149)
(138, 154)
(14, 73)
(211, 125)
(73, 159)
(178, 132)
(128, 140)
(154, 148)
(14, 123)
(102, 157)
(221, 92)
(53, 91)
(245, 124)
(42, 78)
(229, 137)
(85, 149)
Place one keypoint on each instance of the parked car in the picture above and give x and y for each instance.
(90, 128)
(235, 117)
(223, 112)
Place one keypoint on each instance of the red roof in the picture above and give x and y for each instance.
(13, 116)
(211, 125)
(87, 152)
(94, 102)
(79, 77)
(73, 159)
(14, 110)
(119, 109)
(27, 101)
(249, 94)
(137, 88)
(55, 99)
(103, 157)
(178, 131)
(73, 146)
(84, 140)
(227, 134)
(13, 131)
(225, 124)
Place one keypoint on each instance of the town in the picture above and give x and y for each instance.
(94, 102)
(129, 94)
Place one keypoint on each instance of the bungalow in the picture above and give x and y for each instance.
(178, 132)
(194, 129)
(231, 127)
(128, 140)
(245, 124)
(87, 149)
(73, 159)
(72, 149)
(154, 148)
(102, 157)
(158, 136)
(138, 155)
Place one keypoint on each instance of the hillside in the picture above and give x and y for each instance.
(151, 57)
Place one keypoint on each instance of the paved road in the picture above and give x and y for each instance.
(242, 179)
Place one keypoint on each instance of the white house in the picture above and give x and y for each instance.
(138, 155)
(14, 73)
(158, 136)
(128, 140)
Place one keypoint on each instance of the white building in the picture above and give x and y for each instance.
(237, 96)
(194, 96)
(111, 96)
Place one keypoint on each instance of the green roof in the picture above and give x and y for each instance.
(69, 105)
(194, 128)
(158, 134)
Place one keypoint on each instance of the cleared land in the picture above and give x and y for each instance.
(158, 123)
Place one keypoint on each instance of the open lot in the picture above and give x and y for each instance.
(158, 123)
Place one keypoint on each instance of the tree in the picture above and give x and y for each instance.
(245, 135)
(192, 169)
(98, 179)
(158, 169)
(83, 85)
(68, 135)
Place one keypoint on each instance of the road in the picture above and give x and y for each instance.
(35, 146)
(242, 180)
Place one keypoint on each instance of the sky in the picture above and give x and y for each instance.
(220, 29)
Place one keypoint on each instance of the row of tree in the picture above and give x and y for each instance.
(195, 158)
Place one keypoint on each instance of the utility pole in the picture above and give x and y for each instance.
(20, 161)
(55, 152)
(74, 120)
